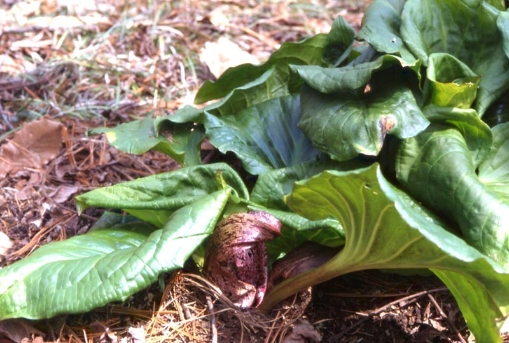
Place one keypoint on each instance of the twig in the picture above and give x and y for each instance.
(210, 307)
(449, 321)
(30, 245)
(413, 297)
(86, 216)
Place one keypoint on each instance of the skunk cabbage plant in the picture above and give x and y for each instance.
(390, 145)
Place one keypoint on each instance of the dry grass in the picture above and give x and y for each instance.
(107, 58)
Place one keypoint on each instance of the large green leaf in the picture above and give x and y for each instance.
(112, 220)
(308, 51)
(154, 198)
(264, 137)
(267, 86)
(450, 82)
(333, 80)
(272, 186)
(477, 134)
(139, 136)
(381, 28)
(92, 270)
(498, 4)
(437, 168)
(344, 125)
(297, 230)
(503, 27)
(386, 229)
(465, 29)
(339, 42)
(269, 194)
(494, 171)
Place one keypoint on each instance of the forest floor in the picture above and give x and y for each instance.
(69, 66)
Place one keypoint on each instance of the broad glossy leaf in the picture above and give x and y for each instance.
(333, 80)
(272, 186)
(339, 42)
(186, 114)
(473, 300)
(111, 220)
(386, 229)
(308, 51)
(154, 198)
(139, 136)
(381, 28)
(498, 4)
(102, 266)
(494, 171)
(268, 86)
(503, 27)
(154, 217)
(450, 82)
(466, 30)
(437, 168)
(269, 193)
(477, 134)
(264, 137)
(344, 125)
(297, 230)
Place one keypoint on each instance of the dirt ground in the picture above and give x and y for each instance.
(85, 64)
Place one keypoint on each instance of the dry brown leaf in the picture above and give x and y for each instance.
(63, 192)
(219, 16)
(16, 330)
(11, 66)
(303, 332)
(224, 54)
(22, 9)
(106, 335)
(5, 244)
(32, 147)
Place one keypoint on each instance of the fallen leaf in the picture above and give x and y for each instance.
(219, 16)
(137, 334)
(11, 66)
(106, 335)
(31, 147)
(16, 330)
(224, 54)
(303, 332)
(62, 193)
(5, 244)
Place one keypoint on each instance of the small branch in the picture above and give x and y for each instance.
(449, 321)
(210, 307)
